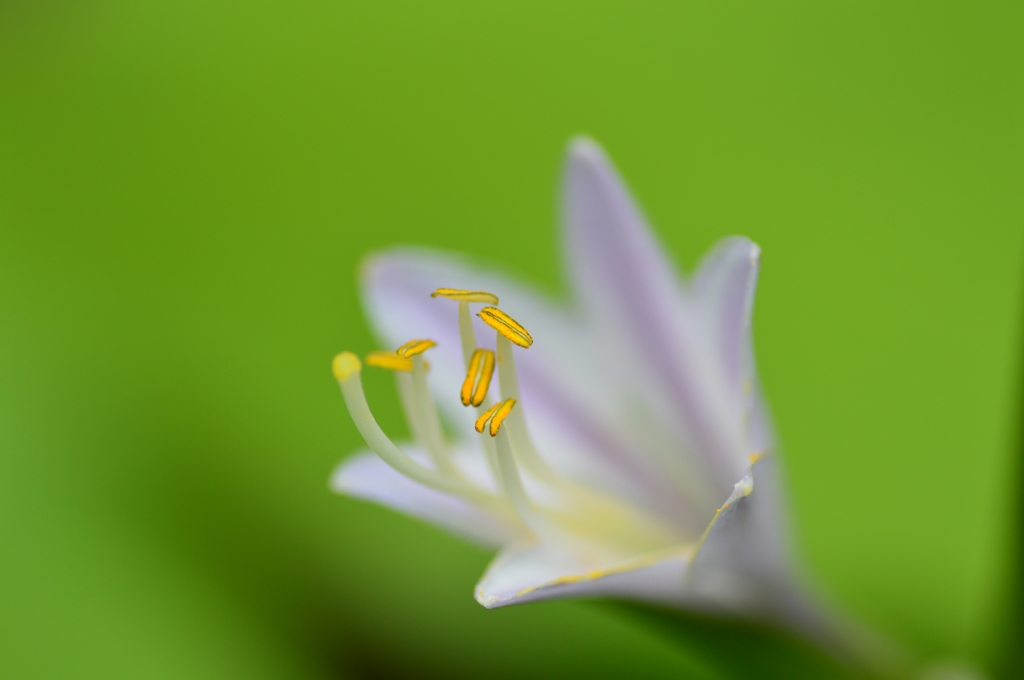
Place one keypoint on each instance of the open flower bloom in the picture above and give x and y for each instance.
(627, 452)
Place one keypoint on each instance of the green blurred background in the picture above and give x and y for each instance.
(186, 189)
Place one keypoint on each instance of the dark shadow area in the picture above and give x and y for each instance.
(1009, 662)
(738, 649)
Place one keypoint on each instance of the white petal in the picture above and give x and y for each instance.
(744, 567)
(366, 476)
(723, 290)
(525, 573)
(631, 291)
(741, 568)
(723, 294)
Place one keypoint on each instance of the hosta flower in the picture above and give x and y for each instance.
(617, 445)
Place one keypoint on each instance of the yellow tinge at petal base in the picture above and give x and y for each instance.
(506, 325)
(466, 295)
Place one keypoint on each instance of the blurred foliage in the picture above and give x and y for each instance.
(186, 189)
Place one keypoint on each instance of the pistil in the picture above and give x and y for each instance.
(348, 373)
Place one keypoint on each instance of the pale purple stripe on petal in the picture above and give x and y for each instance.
(623, 278)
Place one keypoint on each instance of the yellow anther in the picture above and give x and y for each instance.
(345, 364)
(506, 325)
(754, 457)
(481, 422)
(388, 360)
(414, 347)
(481, 369)
(466, 295)
(500, 415)
(499, 412)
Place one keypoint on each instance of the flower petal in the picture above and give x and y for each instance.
(539, 571)
(723, 290)
(366, 476)
(744, 566)
(737, 569)
(631, 291)
(723, 295)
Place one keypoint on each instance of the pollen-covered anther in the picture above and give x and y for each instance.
(388, 360)
(414, 347)
(496, 414)
(478, 377)
(466, 295)
(506, 325)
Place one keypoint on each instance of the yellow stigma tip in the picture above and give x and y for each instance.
(466, 295)
(506, 325)
(478, 377)
(345, 364)
(754, 457)
(414, 347)
(388, 360)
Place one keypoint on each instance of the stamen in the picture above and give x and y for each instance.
(347, 370)
(506, 326)
(467, 336)
(478, 377)
(499, 416)
(507, 376)
(414, 347)
(496, 414)
(428, 421)
(466, 295)
(481, 422)
(388, 360)
(513, 487)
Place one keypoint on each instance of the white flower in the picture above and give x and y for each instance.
(631, 454)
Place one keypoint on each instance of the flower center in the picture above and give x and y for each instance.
(528, 492)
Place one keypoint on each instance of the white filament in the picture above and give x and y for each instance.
(429, 423)
(379, 443)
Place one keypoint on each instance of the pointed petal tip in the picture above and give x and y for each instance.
(585, 150)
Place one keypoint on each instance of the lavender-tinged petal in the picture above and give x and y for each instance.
(541, 571)
(745, 568)
(366, 476)
(626, 284)
(722, 293)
